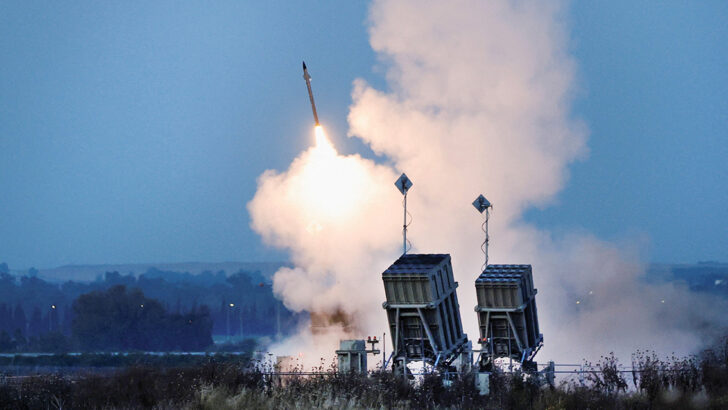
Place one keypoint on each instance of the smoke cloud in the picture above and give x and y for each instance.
(334, 214)
(478, 101)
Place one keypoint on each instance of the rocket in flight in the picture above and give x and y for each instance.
(307, 77)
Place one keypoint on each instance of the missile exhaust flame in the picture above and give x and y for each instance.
(322, 142)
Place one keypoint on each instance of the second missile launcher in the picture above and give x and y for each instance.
(507, 314)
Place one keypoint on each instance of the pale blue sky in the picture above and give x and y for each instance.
(134, 131)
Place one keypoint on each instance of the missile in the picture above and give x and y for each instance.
(307, 77)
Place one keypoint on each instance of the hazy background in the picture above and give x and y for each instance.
(134, 133)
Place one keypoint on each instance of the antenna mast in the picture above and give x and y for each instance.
(404, 184)
(483, 205)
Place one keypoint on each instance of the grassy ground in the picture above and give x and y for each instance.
(678, 383)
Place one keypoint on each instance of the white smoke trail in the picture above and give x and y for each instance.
(334, 214)
(479, 102)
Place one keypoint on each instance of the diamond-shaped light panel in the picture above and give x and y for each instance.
(403, 184)
(481, 204)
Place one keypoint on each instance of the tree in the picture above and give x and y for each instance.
(52, 342)
(121, 320)
(35, 327)
(6, 318)
(20, 342)
(20, 323)
(6, 343)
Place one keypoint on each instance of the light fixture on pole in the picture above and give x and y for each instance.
(404, 184)
(483, 205)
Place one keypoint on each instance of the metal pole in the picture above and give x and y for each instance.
(422, 346)
(510, 356)
(404, 227)
(487, 237)
(396, 332)
(490, 342)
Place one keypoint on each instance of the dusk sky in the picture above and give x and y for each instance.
(135, 132)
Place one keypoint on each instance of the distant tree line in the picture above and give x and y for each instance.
(38, 315)
(120, 320)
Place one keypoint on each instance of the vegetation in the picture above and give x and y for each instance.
(677, 383)
(41, 316)
(119, 320)
(78, 363)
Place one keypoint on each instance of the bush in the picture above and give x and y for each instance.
(714, 369)
(692, 382)
(606, 375)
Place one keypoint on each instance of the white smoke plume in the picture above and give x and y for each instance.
(478, 102)
(334, 214)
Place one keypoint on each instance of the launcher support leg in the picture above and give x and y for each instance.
(396, 332)
(386, 363)
(427, 330)
(515, 333)
(487, 323)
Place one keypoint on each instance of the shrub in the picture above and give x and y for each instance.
(606, 375)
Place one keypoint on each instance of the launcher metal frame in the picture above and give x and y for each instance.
(430, 332)
(499, 335)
